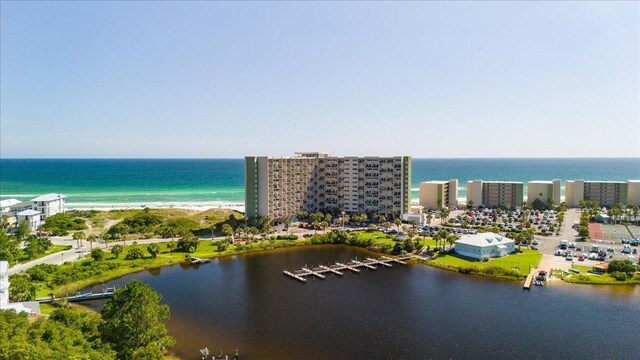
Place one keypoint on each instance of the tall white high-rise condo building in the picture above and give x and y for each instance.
(279, 187)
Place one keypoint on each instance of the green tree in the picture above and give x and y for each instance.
(625, 266)
(154, 250)
(21, 289)
(135, 312)
(116, 250)
(22, 231)
(97, 254)
(583, 231)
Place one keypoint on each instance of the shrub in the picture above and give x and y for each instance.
(154, 250)
(97, 254)
(222, 245)
(116, 250)
(188, 243)
(61, 224)
(619, 275)
(134, 254)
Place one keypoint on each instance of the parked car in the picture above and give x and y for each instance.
(581, 258)
(569, 257)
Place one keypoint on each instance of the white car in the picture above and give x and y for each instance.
(535, 242)
(593, 256)
(569, 257)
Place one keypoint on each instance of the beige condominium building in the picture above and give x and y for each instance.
(279, 187)
(606, 193)
(495, 193)
(544, 191)
(438, 194)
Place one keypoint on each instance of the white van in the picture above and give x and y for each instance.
(564, 244)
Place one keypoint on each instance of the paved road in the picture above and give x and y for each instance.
(75, 253)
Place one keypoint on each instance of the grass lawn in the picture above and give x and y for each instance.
(585, 277)
(378, 238)
(52, 250)
(520, 262)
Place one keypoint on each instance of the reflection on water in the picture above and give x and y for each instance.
(406, 312)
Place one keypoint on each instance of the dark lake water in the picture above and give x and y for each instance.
(406, 312)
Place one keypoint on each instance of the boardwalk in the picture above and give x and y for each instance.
(105, 294)
(339, 268)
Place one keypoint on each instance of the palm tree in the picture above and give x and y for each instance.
(212, 227)
(287, 223)
(91, 239)
(78, 236)
(441, 235)
(398, 222)
(429, 218)
(324, 225)
(451, 239)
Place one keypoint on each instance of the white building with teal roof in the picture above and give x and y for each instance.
(484, 245)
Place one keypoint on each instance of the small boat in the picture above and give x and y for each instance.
(538, 283)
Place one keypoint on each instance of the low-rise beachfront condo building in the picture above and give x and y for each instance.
(279, 187)
(48, 204)
(494, 194)
(439, 194)
(606, 193)
(484, 245)
(34, 211)
(32, 217)
(544, 191)
(633, 192)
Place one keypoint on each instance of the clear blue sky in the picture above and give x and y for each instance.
(202, 79)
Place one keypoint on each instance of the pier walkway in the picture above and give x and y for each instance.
(105, 294)
(339, 268)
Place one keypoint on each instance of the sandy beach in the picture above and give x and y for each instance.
(197, 206)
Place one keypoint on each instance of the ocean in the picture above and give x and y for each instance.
(108, 183)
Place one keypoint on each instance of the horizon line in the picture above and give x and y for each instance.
(240, 158)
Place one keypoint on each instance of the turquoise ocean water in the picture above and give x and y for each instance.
(135, 182)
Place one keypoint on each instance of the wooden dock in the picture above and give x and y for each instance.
(529, 280)
(195, 261)
(354, 265)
